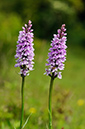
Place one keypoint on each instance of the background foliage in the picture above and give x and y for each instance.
(68, 95)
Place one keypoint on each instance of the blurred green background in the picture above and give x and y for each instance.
(69, 93)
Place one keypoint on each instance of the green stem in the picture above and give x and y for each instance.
(50, 100)
(22, 99)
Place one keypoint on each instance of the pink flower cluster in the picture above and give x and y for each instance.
(57, 54)
(25, 50)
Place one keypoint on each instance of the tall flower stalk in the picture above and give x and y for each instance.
(22, 108)
(24, 56)
(55, 62)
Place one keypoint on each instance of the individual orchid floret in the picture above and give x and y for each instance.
(57, 54)
(25, 50)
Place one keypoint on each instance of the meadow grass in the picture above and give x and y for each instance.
(68, 111)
